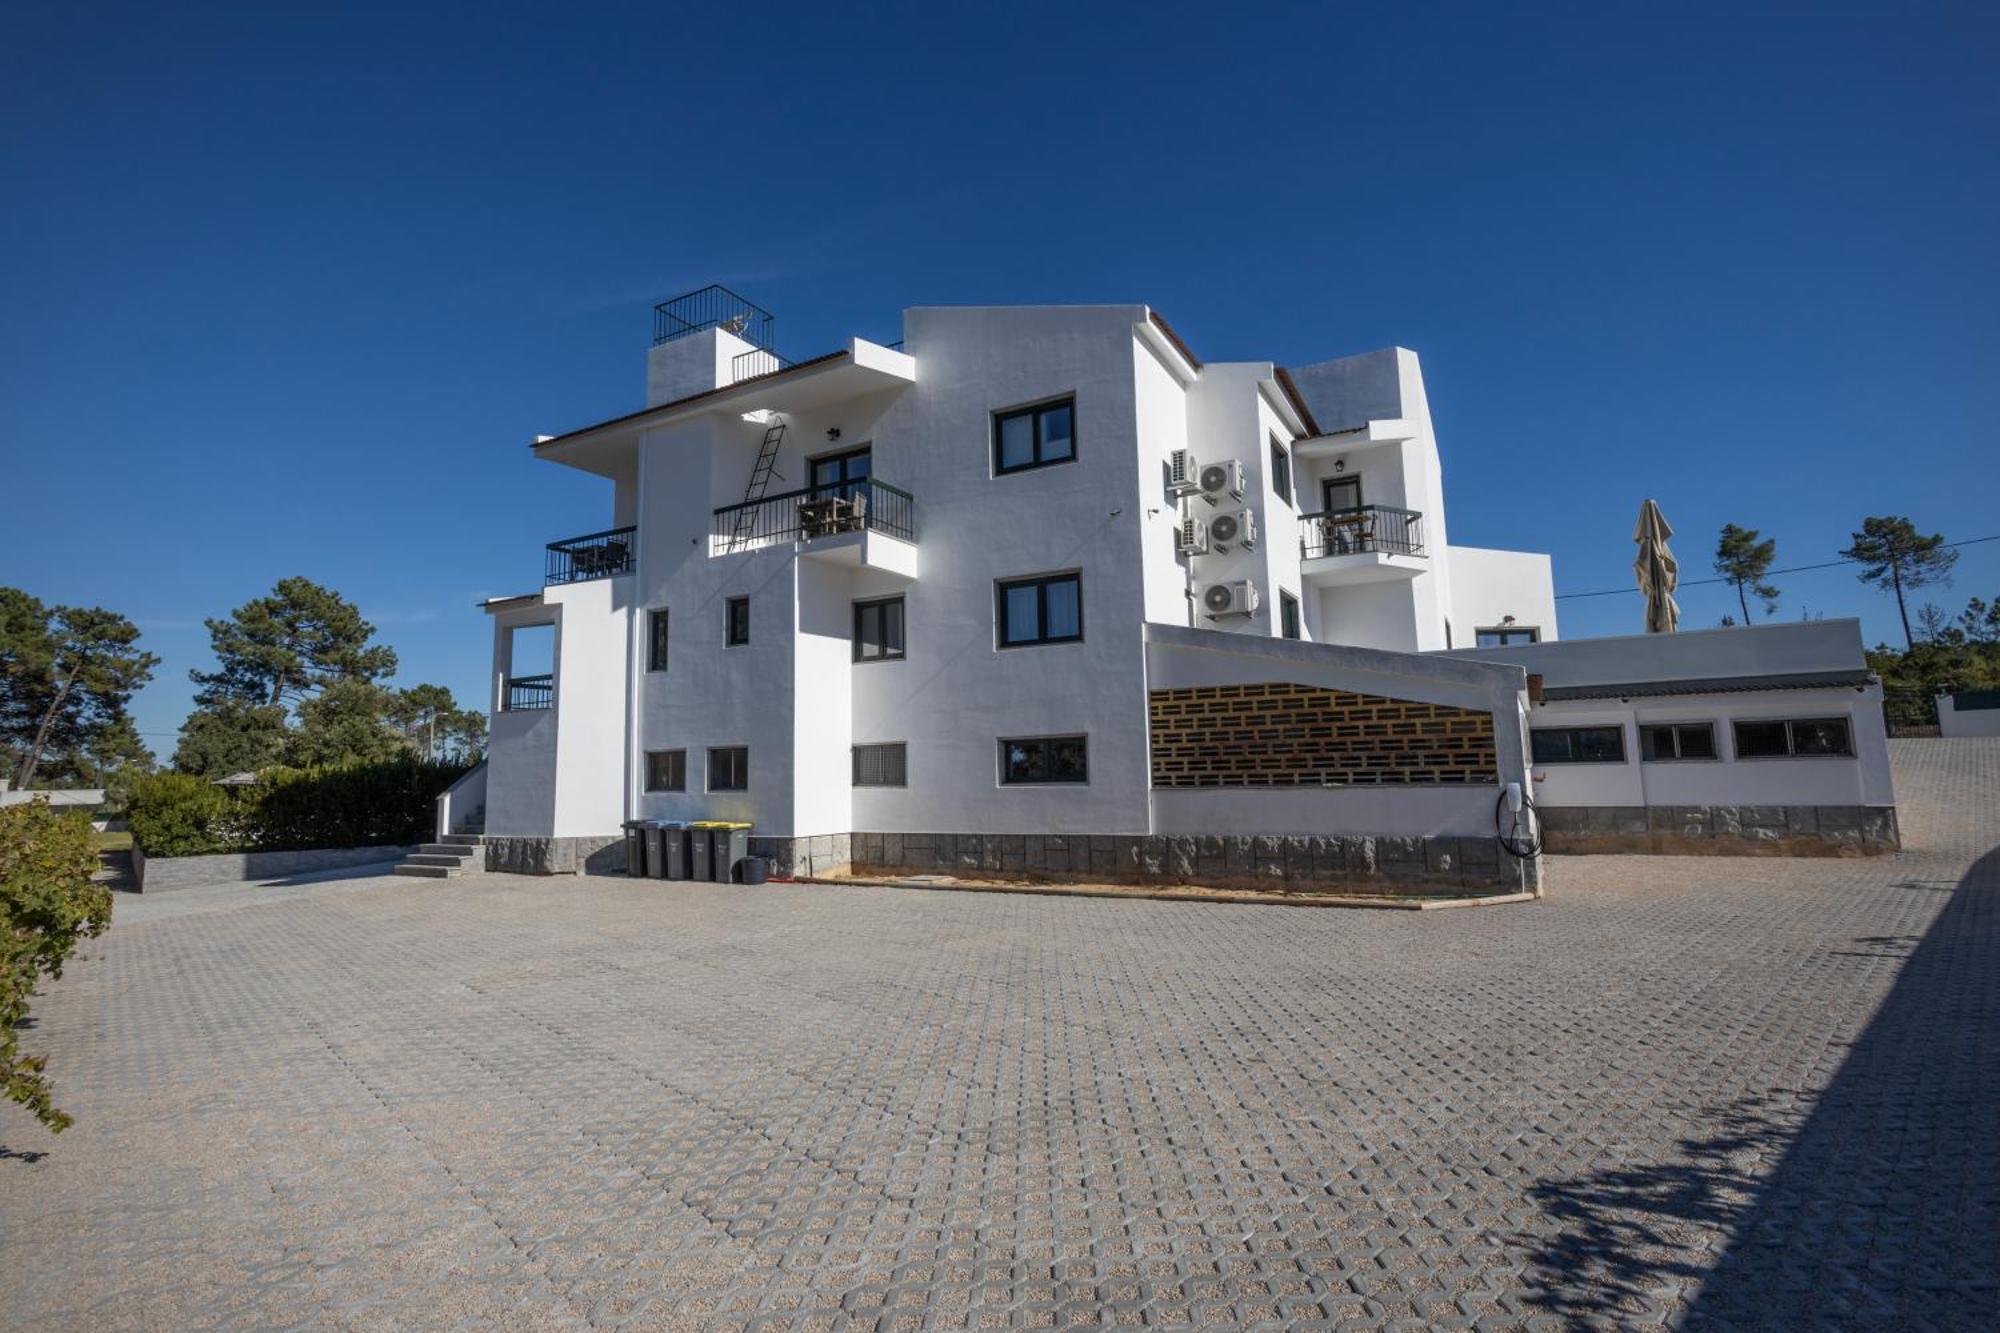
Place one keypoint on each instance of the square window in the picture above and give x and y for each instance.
(1506, 636)
(884, 765)
(878, 630)
(666, 770)
(1044, 760)
(736, 622)
(1762, 740)
(729, 768)
(1034, 437)
(1288, 615)
(1046, 609)
(1578, 745)
(1676, 740)
(656, 640)
(1821, 736)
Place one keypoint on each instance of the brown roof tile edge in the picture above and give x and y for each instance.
(1298, 401)
(1159, 322)
(691, 398)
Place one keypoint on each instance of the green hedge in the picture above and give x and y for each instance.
(391, 803)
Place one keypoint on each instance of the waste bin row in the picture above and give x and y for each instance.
(704, 849)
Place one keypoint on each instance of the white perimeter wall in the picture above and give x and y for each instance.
(1955, 722)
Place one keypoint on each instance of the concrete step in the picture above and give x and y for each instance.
(461, 850)
(435, 859)
(464, 839)
(427, 872)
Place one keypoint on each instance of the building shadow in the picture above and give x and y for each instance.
(1883, 1210)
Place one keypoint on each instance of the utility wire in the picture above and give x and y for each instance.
(1795, 569)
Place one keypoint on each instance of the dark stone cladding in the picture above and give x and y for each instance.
(1722, 830)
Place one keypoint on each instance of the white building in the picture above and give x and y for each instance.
(1018, 594)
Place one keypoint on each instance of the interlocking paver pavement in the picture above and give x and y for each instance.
(1721, 1093)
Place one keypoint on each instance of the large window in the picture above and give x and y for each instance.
(729, 768)
(1047, 609)
(1044, 759)
(1805, 738)
(736, 622)
(878, 630)
(1506, 636)
(1677, 740)
(656, 640)
(884, 765)
(1288, 614)
(1281, 471)
(666, 770)
(1578, 745)
(1034, 437)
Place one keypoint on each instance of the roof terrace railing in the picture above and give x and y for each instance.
(712, 307)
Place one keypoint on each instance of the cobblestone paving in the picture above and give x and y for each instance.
(1717, 1093)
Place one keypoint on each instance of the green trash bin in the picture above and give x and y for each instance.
(729, 844)
(635, 847)
(673, 847)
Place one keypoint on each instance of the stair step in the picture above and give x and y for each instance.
(435, 859)
(427, 872)
(463, 839)
(458, 849)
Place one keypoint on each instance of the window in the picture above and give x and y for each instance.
(1578, 745)
(1807, 738)
(736, 622)
(666, 770)
(729, 768)
(1506, 636)
(878, 630)
(885, 765)
(1337, 493)
(1048, 609)
(1677, 740)
(1288, 614)
(656, 640)
(1044, 759)
(1281, 473)
(842, 475)
(1034, 437)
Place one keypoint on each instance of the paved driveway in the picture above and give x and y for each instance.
(1722, 1092)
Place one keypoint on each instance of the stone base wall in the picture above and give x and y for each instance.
(1722, 830)
(158, 874)
(1351, 865)
(556, 856)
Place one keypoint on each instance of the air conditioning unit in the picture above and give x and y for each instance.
(1233, 527)
(1220, 479)
(1230, 599)
(1192, 538)
(1181, 479)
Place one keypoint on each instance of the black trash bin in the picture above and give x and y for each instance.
(698, 850)
(656, 852)
(731, 843)
(673, 843)
(635, 847)
(754, 870)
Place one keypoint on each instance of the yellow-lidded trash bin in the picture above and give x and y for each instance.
(730, 844)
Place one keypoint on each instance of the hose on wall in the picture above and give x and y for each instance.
(1519, 832)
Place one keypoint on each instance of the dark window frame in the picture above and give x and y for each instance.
(1281, 471)
(1046, 743)
(1327, 486)
(1035, 412)
(1677, 757)
(1041, 583)
(731, 607)
(677, 784)
(739, 768)
(1536, 758)
(1289, 624)
(659, 638)
(902, 766)
(1792, 751)
(846, 486)
(861, 606)
(1505, 632)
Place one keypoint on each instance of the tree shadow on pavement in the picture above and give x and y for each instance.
(1883, 1209)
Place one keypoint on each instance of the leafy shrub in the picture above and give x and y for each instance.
(47, 907)
(390, 802)
(173, 814)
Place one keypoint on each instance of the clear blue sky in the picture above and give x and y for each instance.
(287, 292)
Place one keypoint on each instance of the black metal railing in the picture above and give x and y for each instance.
(1360, 529)
(758, 361)
(598, 555)
(818, 511)
(711, 308)
(527, 694)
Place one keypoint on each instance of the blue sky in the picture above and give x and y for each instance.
(287, 291)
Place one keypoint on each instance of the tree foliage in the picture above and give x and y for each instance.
(67, 675)
(1893, 554)
(1953, 655)
(352, 804)
(48, 906)
(1746, 562)
(280, 649)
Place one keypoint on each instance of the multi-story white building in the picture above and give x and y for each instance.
(1035, 589)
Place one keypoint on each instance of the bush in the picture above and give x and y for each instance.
(47, 907)
(391, 802)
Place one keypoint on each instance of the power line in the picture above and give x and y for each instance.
(1795, 569)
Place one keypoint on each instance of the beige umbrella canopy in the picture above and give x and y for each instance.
(1659, 573)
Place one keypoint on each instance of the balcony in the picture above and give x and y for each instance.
(865, 522)
(1364, 544)
(597, 555)
(530, 694)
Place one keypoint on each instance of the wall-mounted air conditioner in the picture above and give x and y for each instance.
(1233, 527)
(1221, 600)
(1181, 479)
(1192, 537)
(1220, 479)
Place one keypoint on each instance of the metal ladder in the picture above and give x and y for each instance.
(760, 481)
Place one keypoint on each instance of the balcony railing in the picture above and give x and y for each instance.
(820, 511)
(755, 362)
(1361, 529)
(527, 694)
(599, 555)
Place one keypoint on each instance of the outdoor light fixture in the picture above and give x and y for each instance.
(1340, 465)
(833, 432)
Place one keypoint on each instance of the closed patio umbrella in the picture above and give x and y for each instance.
(1659, 573)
